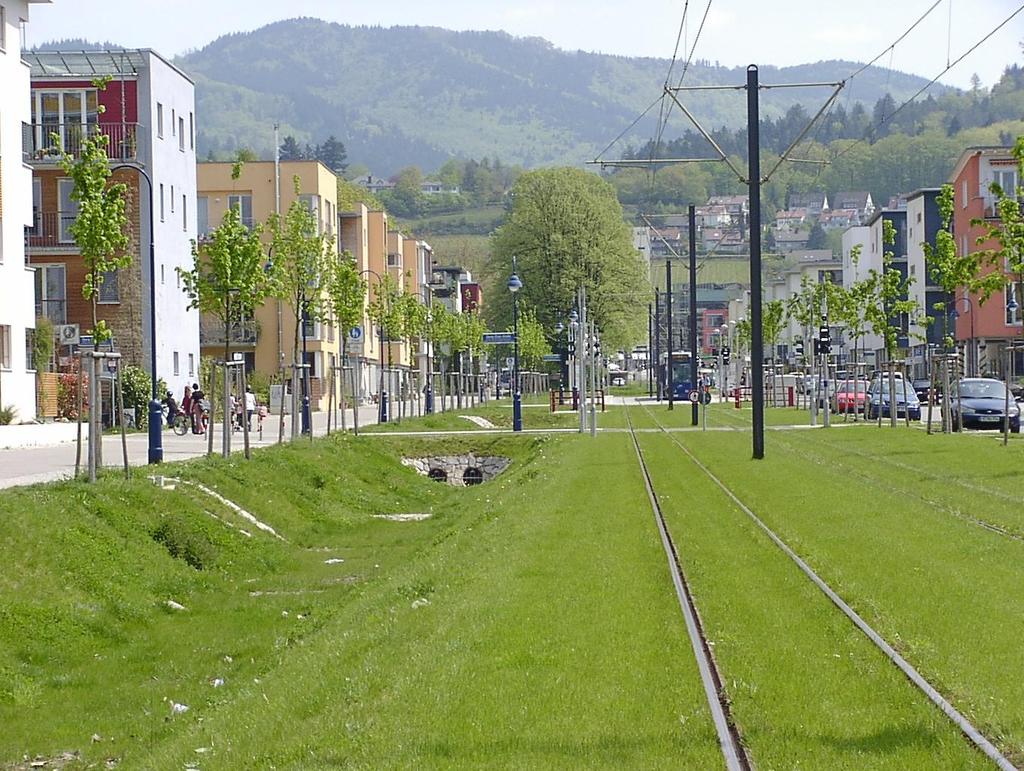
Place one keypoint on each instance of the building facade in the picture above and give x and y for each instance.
(146, 112)
(986, 328)
(17, 312)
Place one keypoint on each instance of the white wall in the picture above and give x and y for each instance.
(177, 326)
(17, 294)
(916, 264)
(869, 259)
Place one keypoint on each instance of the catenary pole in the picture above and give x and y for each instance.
(693, 308)
(756, 341)
(670, 376)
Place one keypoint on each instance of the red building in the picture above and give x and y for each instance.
(985, 328)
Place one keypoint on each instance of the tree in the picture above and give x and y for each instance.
(772, 323)
(817, 238)
(290, 150)
(533, 343)
(332, 154)
(299, 256)
(384, 312)
(346, 293)
(100, 228)
(227, 279)
(566, 228)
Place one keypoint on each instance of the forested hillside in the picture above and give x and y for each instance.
(421, 95)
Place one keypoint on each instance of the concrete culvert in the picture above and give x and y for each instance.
(472, 476)
(438, 474)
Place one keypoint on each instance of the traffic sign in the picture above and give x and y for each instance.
(552, 357)
(85, 341)
(499, 338)
(694, 396)
(355, 334)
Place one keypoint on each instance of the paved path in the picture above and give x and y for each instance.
(29, 465)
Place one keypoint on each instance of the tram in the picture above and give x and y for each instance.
(682, 380)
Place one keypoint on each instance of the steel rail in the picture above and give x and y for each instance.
(728, 736)
(915, 677)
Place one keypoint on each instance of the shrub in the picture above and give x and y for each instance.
(67, 393)
(7, 415)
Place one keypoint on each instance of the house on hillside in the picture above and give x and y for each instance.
(788, 242)
(839, 219)
(374, 184)
(815, 202)
(859, 201)
(713, 216)
(790, 220)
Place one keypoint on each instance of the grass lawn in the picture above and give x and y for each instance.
(887, 518)
(807, 689)
(536, 414)
(528, 623)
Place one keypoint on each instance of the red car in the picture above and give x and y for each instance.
(850, 396)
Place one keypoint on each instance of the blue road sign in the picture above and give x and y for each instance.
(552, 357)
(356, 333)
(499, 338)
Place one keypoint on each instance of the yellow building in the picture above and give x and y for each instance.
(268, 342)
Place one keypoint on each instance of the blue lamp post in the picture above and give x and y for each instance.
(156, 416)
(514, 285)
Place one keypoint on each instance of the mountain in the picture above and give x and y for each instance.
(421, 95)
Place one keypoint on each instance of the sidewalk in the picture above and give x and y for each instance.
(46, 452)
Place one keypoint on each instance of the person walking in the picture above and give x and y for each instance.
(250, 405)
(197, 409)
(186, 402)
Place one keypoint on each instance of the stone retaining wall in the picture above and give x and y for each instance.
(455, 467)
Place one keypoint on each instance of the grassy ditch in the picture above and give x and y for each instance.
(528, 622)
(899, 544)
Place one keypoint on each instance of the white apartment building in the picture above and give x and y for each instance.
(17, 312)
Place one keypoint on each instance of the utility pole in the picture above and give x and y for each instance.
(693, 309)
(650, 350)
(756, 341)
(669, 377)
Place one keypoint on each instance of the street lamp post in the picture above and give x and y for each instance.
(574, 324)
(307, 422)
(514, 285)
(428, 397)
(156, 449)
(972, 356)
(563, 364)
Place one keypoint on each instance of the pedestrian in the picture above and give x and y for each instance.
(198, 397)
(186, 402)
(250, 406)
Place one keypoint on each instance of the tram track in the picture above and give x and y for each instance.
(973, 735)
(729, 739)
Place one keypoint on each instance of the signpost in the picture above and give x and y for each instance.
(552, 357)
(499, 338)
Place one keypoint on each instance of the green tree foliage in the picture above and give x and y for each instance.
(1007, 232)
(290, 149)
(533, 343)
(100, 228)
(885, 291)
(384, 309)
(331, 153)
(350, 195)
(228, 279)
(299, 256)
(346, 292)
(773, 321)
(566, 228)
(817, 238)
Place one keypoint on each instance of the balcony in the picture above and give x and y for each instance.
(243, 333)
(41, 142)
(51, 232)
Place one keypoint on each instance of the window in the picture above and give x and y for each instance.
(202, 215)
(161, 274)
(312, 203)
(159, 120)
(177, 367)
(161, 201)
(184, 213)
(393, 261)
(191, 132)
(30, 344)
(181, 134)
(109, 292)
(68, 210)
(963, 194)
(51, 293)
(63, 112)
(173, 121)
(1007, 181)
(191, 364)
(172, 199)
(244, 205)
(5, 346)
(3, 28)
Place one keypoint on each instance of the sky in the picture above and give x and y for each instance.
(737, 32)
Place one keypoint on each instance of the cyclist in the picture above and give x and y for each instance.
(172, 408)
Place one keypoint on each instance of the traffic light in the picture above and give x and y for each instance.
(823, 335)
(725, 354)
(800, 348)
(572, 348)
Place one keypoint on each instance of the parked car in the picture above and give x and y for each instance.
(983, 402)
(850, 396)
(922, 388)
(878, 400)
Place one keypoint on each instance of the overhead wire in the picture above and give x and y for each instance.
(930, 83)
